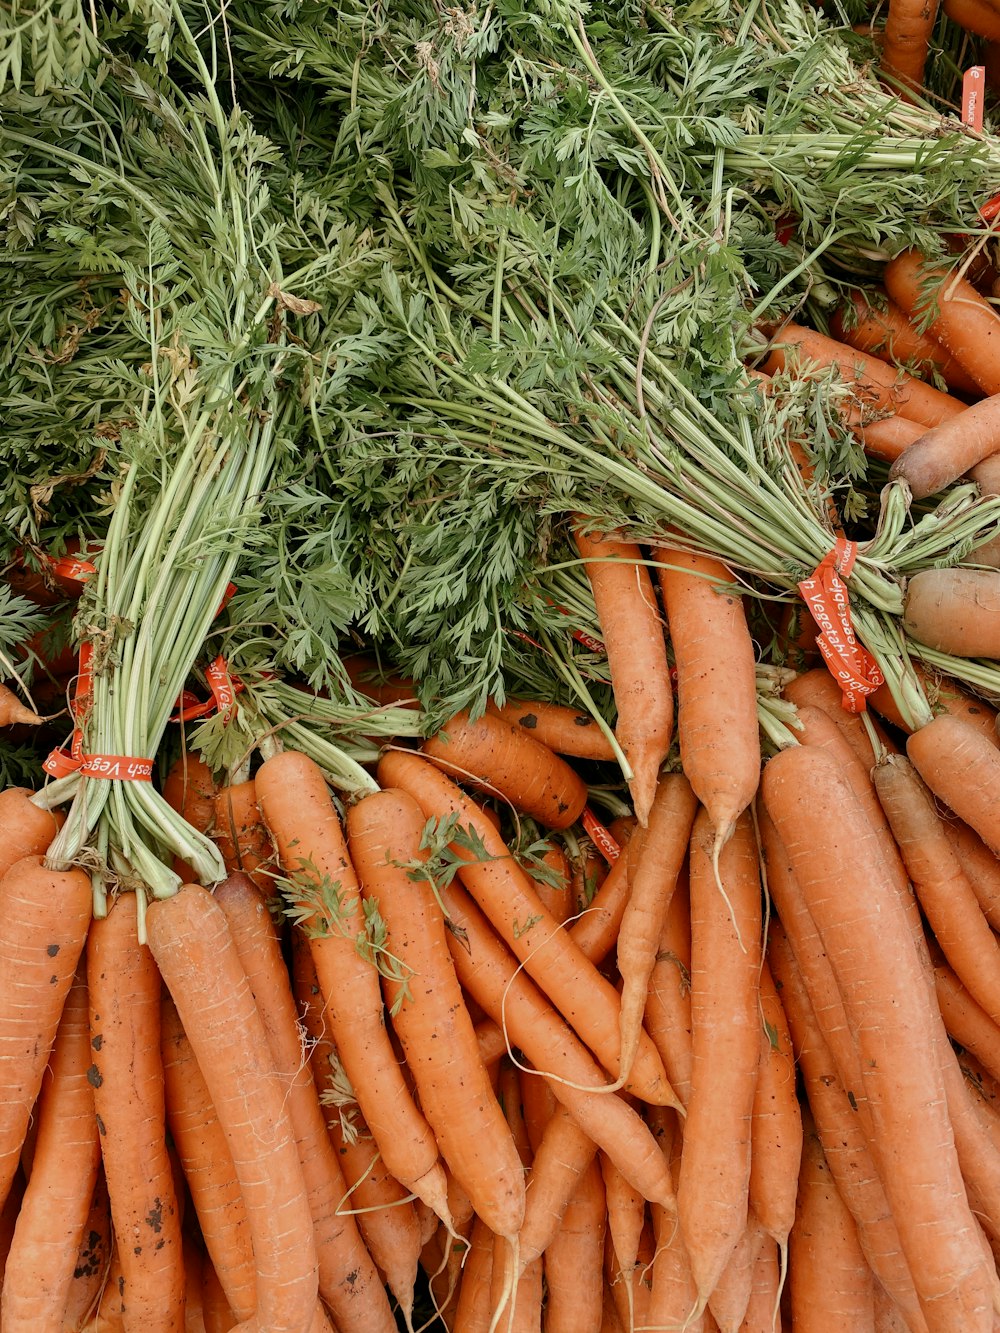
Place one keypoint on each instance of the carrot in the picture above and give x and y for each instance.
(876, 384)
(908, 31)
(626, 1211)
(964, 323)
(561, 1159)
(563, 730)
(981, 867)
(674, 1299)
(860, 919)
(595, 932)
(190, 939)
(962, 769)
(556, 893)
(661, 859)
(194, 1314)
(25, 828)
(14, 713)
(504, 760)
(947, 452)
(885, 437)
(882, 329)
(637, 656)
(44, 917)
(127, 1078)
(573, 1271)
(207, 1164)
(347, 1278)
(489, 974)
(296, 805)
(474, 1303)
(832, 1286)
(729, 1301)
(367, 677)
(987, 475)
(586, 999)
(526, 1300)
(240, 834)
(818, 689)
(966, 1021)
(218, 1317)
(668, 1003)
(945, 696)
(110, 1314)
(190, 789)
(93, 1258)
(765, 1292)
(716, 685)
(955, 610)
(944, 892)
(57, 1201)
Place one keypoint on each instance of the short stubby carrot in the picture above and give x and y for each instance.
(498, 757)
(190, 939)
(637, 656)
(44, 918)
(25, 828)
(955, 610)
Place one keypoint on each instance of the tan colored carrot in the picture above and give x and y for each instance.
(725, 1029)
(955, 610)
(585, 998)
(573, 1260)
(127, 1080)
(881, 328)
(505, 760)
(962, 769)
(637, 656)
(716, 684)
(563, 730)
(949, 451)
(296, 805)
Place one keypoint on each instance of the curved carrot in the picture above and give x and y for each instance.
(57, 1201)
(505, 760)
(963, 322)
(347, 1278)
(885, 437)
(127, 1078)
(562, 729)
(860, 918)
(297, 808)
(637, 656)
(586, 999)
(716, 684)
(942, 455)
(962, 768)
(44, 918)
(725, 1032)
(190, 939)
(965, 1020)
(818, 689)
(429, 1015)
(241, 835)
(883, 330)
(573, 1260)
(908, 29)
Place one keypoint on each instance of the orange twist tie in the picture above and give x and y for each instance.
(825, 594)
(600, 837)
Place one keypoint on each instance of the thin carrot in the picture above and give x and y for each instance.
(908, 29)
(885, 437)
(962, 769)
(966, 1021)
(949, 451)
(127, 1078)
(674, 1298)
(637, 656)
(505, 760)
(881, 328)
(428, 1014)
(765, 1292)
(595, 932)
(818, 689)
(861, 920)
(562, 729)
(626, 1210)
(217, 1315)
(190, 789)
(44, 918)
(14, 713)
(716, 684)
(667, 1016)
(963, 322)
(561, 1158)
(241, 835)
(190, 939)
(573, 1269)
(296, 805)
(729, 1301)
(981, 867)
(725, 1030)
(955, 610)
(474, 1302)
(56, 1204)
(553, 883)
(586, 999)
(525, 1311)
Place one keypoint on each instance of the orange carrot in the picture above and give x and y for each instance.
(981, 867)
(725, 1030)
(885, 437)
(93, 1258)
(554, 885)
(127, 1078)
(474, 1303)
(561, 1158)
(218, 1317)
(14, 713)
(716, 684)
(586, 999)
(668, 1003)
(966, 1021)
(190, 940)
(296, 805)
(562, 729)
(573, 1269)
(765, 1292)
(945, 696)
(505, 760)
(241, 835)
(818, 689)
(190, 789)
(860, 919)
(955, 610)
(729, 1301)
(964, 323)
(881, 328)
(962, 769)
(626, 1211)
(949, 451)
(44, 917)
(637, 656)
(58, 1198)
(595, 932)
(908, 31)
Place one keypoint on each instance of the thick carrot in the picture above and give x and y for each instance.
(190, 939)
(866, 934)
(955, 610)
(668, 1003)
(505, 760)
(428, 1013)
(963, 322)
(25, 828)
(908, 29)
(562, 729)
(832, 1286)
(945, 696)
(490, 975)
(561, 1158)
(962, 769)
(348, 1281)
(190, 789)
(878, 385)
(947, 452)
(573, 1271)
(882, 329)
(241, 835)
(586, 999)
(57, 1201)
(637, 656)
(127, 1079)
(207, 1164)
(296, 805)
(90, 1271)
(44, 917)
(986, 475)
(981, 867)
(716, 684)
(661, 859)
(818, 689)
(885, 437)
